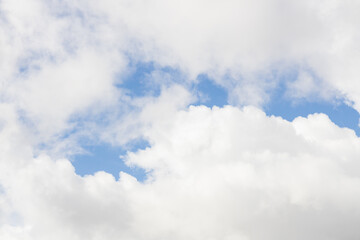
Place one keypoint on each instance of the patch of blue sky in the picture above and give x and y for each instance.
(209, 93)
(135, 83)
(338, 111)
(146, 79)
(108, 158)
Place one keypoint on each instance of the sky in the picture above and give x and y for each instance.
(169, 119)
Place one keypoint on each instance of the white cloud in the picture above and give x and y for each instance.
(221, 173)
(50, 95)
(146, 112)
(240, 43)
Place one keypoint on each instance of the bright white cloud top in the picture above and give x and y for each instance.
(228, 172)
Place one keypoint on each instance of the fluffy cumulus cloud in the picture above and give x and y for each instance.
(220, 173)
(229, 172)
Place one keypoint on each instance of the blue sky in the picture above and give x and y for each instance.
(105, 157)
